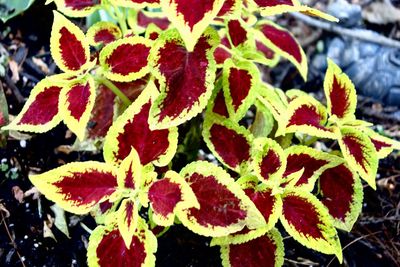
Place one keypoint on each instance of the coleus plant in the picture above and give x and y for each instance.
(175, 59)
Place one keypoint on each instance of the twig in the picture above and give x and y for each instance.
(352, 242)
(11, 239)
(361, 34)
(306, 263)
(17, 94)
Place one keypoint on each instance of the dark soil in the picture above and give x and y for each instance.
(374, 240)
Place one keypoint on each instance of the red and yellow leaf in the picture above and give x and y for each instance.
(224, 207)
(312, 161)
(127, 218)
(265, 250)
(131, 130)
(77, 8)
(107, 247)
(137, 4)
(78, 187)
(191, 17)
(186, 78)
(40, 112)
(342, 193)
(269, 205)
(223, 51)
(240, 82)
(126, 59)
(130, 172)
(102, 114)
(68, 45)
(360, 153)
(383, 145)
(229, 142)
(217, 104)
(141, 20)
(340, 93)
(308, 116)
(230, 8)
(103, 211)
(102, 33)
(283, 43)
(274, 7)
(262, 54)
(239, 34)
(76, 104)
(308, 221)
(269, 161)
(169, 195)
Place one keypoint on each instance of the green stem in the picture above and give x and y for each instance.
(122, 20)
(125, 100)
(110, 11)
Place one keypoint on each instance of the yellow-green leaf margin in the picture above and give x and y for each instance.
(254, 218)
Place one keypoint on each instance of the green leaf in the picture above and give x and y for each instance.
(10, 9)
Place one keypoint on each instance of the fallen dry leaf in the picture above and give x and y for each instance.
(5, 210)
(18, 193)
(14, 70)
(40, 63)
(47, 224)
(34, 192)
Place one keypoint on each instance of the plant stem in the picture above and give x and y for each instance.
(122, 20)
(125, 100)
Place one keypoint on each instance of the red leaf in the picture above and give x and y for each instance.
(340, 93)
(126, 59)
(219, 105)
(228, 142)
(310, 160)
(284, 43)
(102, 33)
(186, 78)
(270, 164)
(240, 81)
(40, 112)
(132, 129)
(43, 109)
(191, 18)
(360, 153)
(237, 33)
(267, 52)
(221, 54)
(78, 98)
(308, 116)
(341, 192)
(283, 40)
(164, 195)
(102, 114)
(107, 247)
(221, 210)
(227, 211)
(76, 103)
(143, 20)
(68, 45)
(78, 187)
(269, 3)
(269, 161)
(266, 251)
(80, 4)
(302, 215)
(228, 7)
(269, 205)
(306, 219)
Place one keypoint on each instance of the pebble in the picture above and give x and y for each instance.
(22, 143)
